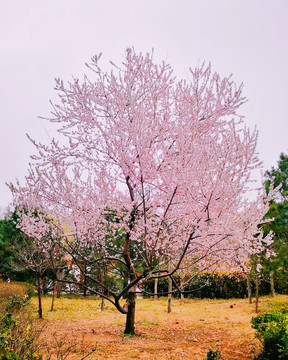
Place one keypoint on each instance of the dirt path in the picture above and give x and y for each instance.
(188, 332)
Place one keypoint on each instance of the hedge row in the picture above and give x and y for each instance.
(214, 286)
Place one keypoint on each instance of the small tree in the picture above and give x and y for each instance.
(33, 258)
(39, 254)
(10, 235)
(277, 265)
(169, 161)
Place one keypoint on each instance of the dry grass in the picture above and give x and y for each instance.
(10, 289)
(188, 332)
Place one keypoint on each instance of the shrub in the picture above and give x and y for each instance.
(223, 285)
(17, 332)
(211, 285)
(30, 289)
(272, 330)
(213, 355)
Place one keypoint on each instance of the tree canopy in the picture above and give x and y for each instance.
(170, 160)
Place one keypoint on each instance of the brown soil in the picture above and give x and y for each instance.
(193, 327)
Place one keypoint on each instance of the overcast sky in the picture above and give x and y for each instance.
(41, 40)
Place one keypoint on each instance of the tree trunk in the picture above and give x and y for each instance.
(169, 289)
(53, 295)
(156, 289)
(257, 293)
(59, 283)
(102, 288)
(169, 295)
(272, 283)
(131, 295)
(130, 317)
(181, 284)
(39, 298)
(84, 279)
(249, 288)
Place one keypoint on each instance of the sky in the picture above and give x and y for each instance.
(43, 40)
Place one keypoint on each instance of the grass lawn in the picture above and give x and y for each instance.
(188, 332)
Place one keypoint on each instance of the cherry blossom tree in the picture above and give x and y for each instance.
(37, 256)
(160, 165)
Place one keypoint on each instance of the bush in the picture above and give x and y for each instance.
(17, 332)
(30, 289)
(211, 285)
(213, 355)
(223, 285)
(162, 287)
(272, 330)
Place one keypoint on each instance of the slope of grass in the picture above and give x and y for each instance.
(10, 289)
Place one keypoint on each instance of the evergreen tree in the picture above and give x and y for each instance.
(10, 235)
(277, 266)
